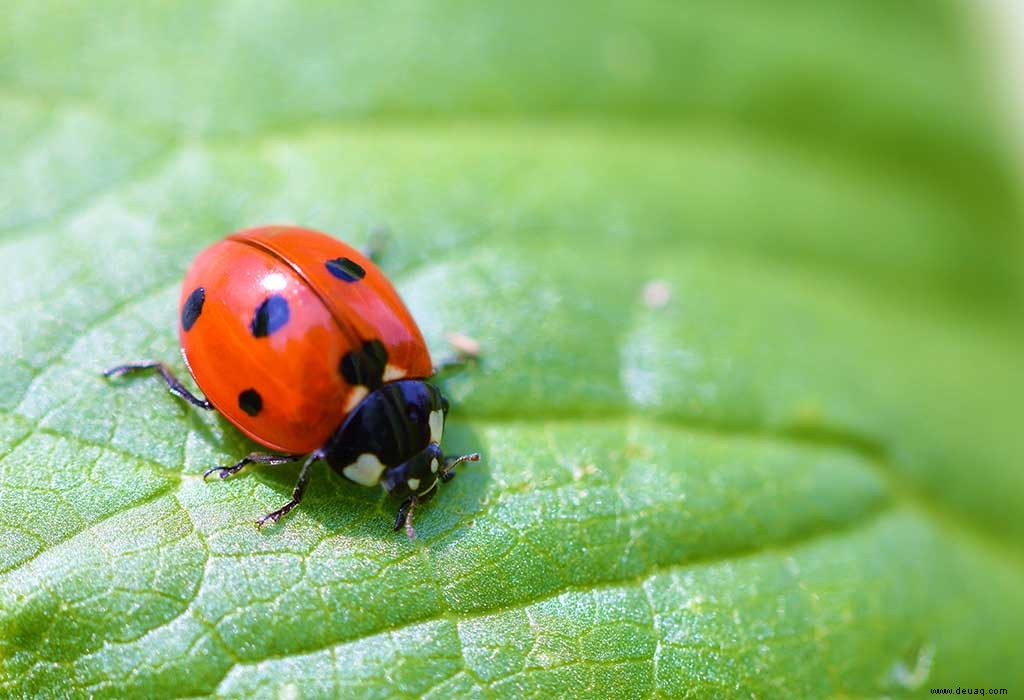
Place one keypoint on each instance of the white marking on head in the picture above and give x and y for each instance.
(434, 465)
(365, 471)
(357, 394)
(392, 373)
(436, 426)
(413, 484)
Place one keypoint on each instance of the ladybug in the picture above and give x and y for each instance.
(304, 345)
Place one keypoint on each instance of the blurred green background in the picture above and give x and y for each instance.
(794, 471)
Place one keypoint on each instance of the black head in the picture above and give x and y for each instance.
(392, 430)
(417, 476)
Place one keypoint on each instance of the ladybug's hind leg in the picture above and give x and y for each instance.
(252, 458)
(376, 247)
(175, 386)
(297, 493)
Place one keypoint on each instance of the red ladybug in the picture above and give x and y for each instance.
(303, 344)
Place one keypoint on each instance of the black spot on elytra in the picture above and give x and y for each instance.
(365, 367)
(192, 308)
(250, 401)
(270, 315)
(346, 269)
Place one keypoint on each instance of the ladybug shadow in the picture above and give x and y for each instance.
(342, 507)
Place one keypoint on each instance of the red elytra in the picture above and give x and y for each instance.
(316, 315)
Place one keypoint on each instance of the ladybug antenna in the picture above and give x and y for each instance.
(452, 462)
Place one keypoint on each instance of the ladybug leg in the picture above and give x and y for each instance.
(465, 350)
(380, 238)
(447, 474)
(404, 518)
(252, 458)
(175, 386)
(297, 493)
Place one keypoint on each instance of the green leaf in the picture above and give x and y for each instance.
(799, 477)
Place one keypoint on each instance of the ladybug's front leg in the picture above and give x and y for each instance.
(297, 493)
(175, 386)
(404, 517)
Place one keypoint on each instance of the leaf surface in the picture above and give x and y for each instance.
(797, 478)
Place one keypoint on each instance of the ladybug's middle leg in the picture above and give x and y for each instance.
(464, 351)
(251, 458)
(297, 493)
(175, 386)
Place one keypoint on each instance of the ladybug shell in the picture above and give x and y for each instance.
(286, 330)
